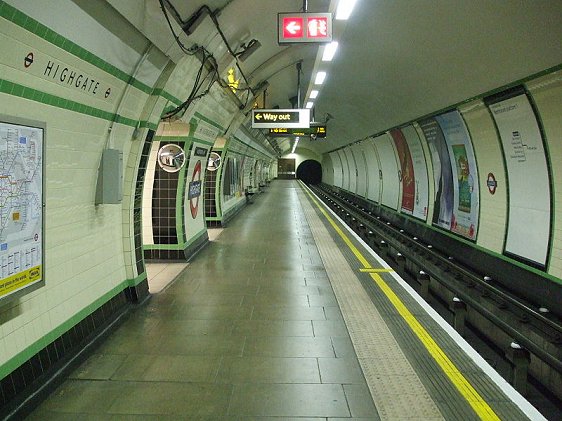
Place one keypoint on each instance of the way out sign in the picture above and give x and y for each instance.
(304, 28)
(269, 119)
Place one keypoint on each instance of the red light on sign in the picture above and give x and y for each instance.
(304, 27)
(293, 27)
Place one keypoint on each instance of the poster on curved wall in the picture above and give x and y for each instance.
(528, 229)
(464, 217)
(413, 172)
(389, 167)
(421, 199)
(442, 173)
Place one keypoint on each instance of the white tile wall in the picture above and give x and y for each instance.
(547, 94)
(489, 158)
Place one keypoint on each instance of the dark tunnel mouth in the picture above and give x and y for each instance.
(310, 172)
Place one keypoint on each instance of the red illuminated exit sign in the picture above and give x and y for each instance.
(304, 27)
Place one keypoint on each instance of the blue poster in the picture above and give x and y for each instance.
(442, 173)
(464, 217)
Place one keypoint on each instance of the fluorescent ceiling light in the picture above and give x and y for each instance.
(309, 104)
(313, 94)
(295, 144)
(329, 51)
(320, 76)
(344, 9)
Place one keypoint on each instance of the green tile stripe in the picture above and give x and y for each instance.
(260, 153)
(208, 120)
(164, 246)
(197, 236)
(135, 281)
(161, 92)
(20, 358)
(26, 22)
(171, 137)
(182, 246)
(25, 92)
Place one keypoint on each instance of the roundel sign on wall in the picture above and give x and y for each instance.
(195, 190)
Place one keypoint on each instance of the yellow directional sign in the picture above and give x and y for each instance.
(315, 130)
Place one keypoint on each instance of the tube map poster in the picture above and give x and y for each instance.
(21, 207)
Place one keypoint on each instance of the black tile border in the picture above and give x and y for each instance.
(27, 386)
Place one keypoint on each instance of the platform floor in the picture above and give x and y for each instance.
(252, 330)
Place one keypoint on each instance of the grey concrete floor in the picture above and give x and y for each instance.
(251, 330)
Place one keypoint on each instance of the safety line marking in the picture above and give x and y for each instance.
(478, 404)
(370, 270)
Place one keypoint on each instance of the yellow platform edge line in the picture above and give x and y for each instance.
(471, 395)
(372, 270)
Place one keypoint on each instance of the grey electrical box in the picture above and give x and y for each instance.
(109, 188)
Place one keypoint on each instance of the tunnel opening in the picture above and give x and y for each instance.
(310, 172)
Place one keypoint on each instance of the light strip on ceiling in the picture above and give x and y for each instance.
(320, 76)
(345, 7)
(309, 104)
(313, 94)
(329, 51)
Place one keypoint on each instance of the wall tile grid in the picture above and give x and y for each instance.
(83, 242)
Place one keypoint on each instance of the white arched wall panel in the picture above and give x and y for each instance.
(493, 206)
(373, 170)
(338, 170)
(327, 169)
(345, 169)
(547, 94)
(352, 169)
(359, 158)
(391, 188)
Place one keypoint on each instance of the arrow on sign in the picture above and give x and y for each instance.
(258, 117)
(293, 27)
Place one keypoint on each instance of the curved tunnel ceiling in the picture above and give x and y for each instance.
(397, 60)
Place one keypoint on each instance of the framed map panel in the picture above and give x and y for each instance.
(21, 206)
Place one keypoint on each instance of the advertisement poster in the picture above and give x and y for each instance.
(464, 217)
(442, 173)
(528, 229)
(421, 197)
(406, 168)
(21, 209)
